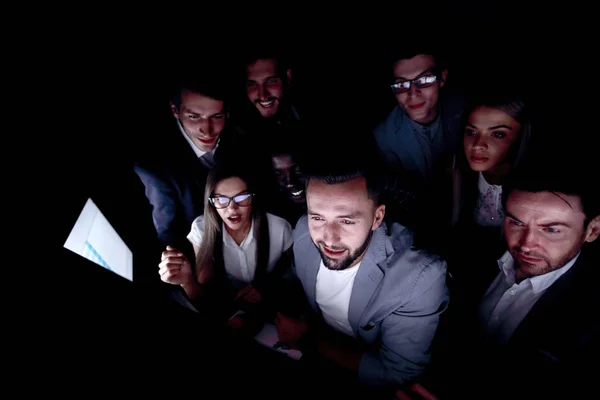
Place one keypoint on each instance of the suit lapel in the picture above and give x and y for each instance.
(367, 279)
(313, 261)
(558, 300)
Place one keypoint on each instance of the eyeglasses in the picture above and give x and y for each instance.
(420, 83)
(242, 200)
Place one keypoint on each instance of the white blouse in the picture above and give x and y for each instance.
(240, 261)
(488, 208)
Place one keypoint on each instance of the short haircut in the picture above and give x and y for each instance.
(408, 51)
(540, 178)
(209, 81)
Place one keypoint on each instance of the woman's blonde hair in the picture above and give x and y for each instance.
(210, 254)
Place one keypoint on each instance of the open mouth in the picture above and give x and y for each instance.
(267, 104)
(236, 219)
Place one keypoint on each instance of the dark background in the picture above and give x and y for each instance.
(111, 85)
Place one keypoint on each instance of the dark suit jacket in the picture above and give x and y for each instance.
(174, 180)
(554, 350)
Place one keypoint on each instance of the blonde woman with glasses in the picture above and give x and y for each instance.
(241, 251)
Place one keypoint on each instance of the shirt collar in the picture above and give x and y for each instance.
(484, 185)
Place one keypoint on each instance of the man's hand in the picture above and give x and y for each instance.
(290, 330)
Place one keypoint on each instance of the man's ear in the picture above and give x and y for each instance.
(379, 214)
(288, 75)
(174, 110)
(593, 230)
(443, 76)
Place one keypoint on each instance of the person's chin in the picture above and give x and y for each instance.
(333, 264)
(297, 198)
(206, 147)
(478, 167)
(270, 113)
(422, 116)
(480, 164)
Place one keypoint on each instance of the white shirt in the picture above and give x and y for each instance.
(240, 261)
(334, 289)
(507, 303)
(488, 208)
(199, 153)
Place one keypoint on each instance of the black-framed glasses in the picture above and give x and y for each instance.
(242, 200)
(420, 83)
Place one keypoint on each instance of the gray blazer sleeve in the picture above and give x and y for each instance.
(407, 333)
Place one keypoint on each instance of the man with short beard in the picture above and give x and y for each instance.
(375, 302)
(539, 317)
(268, 78)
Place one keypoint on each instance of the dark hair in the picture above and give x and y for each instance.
(516, 108)
(540, 178)
(335, 177)
(210, 81)
(287, 138)
(253, 54)
(406, 52)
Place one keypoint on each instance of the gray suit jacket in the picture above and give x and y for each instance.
(396, 301)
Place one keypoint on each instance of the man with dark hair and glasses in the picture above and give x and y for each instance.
(420, 133)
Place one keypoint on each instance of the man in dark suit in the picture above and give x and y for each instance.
(538, 322)
(174, 174)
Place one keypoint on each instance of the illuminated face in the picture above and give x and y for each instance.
(342, 219)
(419, 104)
(489, 135)
(202, 118)
(264, 86)
(236, 216)
(545, 230)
